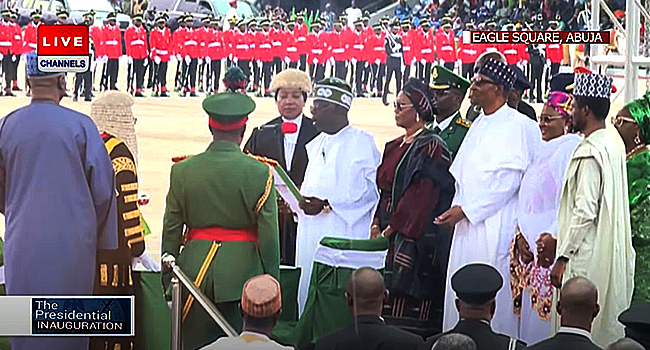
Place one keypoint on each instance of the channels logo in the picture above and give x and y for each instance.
(63, 48)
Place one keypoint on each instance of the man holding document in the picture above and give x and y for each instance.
(283, 139)
(339, 193)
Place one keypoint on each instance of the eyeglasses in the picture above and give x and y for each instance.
(440, 93)
(619, 120)
(547, 118)
(400, 106)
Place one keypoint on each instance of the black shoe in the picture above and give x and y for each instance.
(75, 99)
(164, 94)
(16, 88)
(193, 94)
(200, 89)
(139, 94)
(9, 93)
(384, 99)
(88, 99)
(540, 101)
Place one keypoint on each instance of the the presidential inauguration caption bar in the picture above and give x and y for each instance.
(67, 316)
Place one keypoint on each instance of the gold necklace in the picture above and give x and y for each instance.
(637, 148)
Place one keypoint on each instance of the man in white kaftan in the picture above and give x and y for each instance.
(488, 169)
(341, 172)
(594, 235)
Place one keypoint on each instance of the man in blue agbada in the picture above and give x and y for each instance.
(57, 194)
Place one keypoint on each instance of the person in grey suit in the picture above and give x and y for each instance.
(578, 306)
(476, 286)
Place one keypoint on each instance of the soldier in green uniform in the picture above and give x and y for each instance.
(450, 91)
(220, 222)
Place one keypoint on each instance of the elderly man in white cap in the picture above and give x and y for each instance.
(283, 139)
(113, 115)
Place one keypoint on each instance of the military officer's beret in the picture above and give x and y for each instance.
(444, 79)
(476, 283)
(228, 110)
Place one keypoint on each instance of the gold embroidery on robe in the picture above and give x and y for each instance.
(133, 230)
(103, 273)
(131, 198)
(131, 214)
(122, 164)
(116, 272)
(130, 187)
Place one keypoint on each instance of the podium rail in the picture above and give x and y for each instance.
(179, 278)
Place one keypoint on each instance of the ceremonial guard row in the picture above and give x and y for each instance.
(263, 48)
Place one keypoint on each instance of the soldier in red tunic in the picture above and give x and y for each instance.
(30, 37)
(203, 35)
(252, 38)
(242, 54)
(446, 46)
(293, 56)
(279, 47)
(135, 39)
(265, 49)
(301, 32)
(554, 54)
(160, 41)
(317, 59)
(178, 43)
(85, 78)
(467, 54)
(357, 57)
(18, 47)
(425, 48)
(215, 55)
(407, 41)
(337, 44)
(377, 58)
(112, 40)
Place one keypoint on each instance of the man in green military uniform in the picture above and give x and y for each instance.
(221, 209)
(449, 91)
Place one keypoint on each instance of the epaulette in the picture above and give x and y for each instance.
(463, 122)
(180, 158)
(265, 160)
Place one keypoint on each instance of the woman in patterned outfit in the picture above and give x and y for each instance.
(415, 187)
(539, 198)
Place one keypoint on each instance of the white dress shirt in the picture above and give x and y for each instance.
(290, 141)
(573, 330)
(445, 123)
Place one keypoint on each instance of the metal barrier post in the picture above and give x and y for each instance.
(176, 314)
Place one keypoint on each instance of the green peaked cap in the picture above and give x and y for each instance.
(444, 79)
(228, 109)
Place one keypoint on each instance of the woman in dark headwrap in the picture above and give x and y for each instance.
(415, 187)
(633, 124)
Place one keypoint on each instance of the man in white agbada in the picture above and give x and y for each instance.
(339, 190)
(594, 236)
(488, 169)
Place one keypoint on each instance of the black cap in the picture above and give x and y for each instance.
(476, 283)
(522, 83)
(560, 81)
(636, 320)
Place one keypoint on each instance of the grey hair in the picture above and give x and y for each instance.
(454, 341)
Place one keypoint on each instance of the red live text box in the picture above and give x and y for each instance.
(62, 40)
